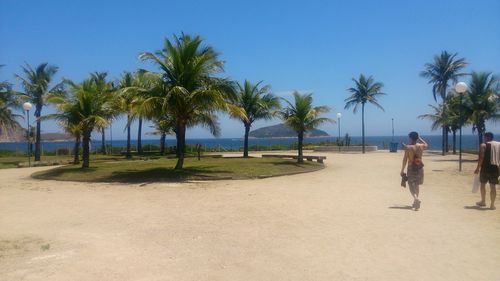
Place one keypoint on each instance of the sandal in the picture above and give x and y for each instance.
(493, 208)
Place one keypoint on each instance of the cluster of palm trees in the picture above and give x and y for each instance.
(186, 91)
(477, 105)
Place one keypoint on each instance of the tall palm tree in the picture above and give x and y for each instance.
(143, 86)
(189, 92)
(92, 108)
(36, 83)
(444, 69)
(255, 103)
(125, 103)
(366, 90)
(483, 100)
(302, 116)
(8, 101)
(105, 90)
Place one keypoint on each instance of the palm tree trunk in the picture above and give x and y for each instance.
(181, 143)
(128, 154)
(301, 139)
(76, 150)
(139, 137)
(447, 142)
(443, 142)
(38, 139)
(245, 144)
(162, 143)
(454, 141)
(86, 149)
(103, 141)
(363, 126)
(481, 129)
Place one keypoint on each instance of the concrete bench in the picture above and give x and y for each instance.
(284, 156)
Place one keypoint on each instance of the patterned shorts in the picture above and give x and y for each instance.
(415, 177)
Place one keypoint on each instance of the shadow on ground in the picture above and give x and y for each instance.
(477, 208)
(401, 207)
(454, 160)
(166, 175)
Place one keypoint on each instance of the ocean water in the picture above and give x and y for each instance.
(468, 142)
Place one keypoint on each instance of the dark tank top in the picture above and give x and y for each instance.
(486, 165)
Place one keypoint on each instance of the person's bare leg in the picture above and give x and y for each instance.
(493, 195)
(483, 195)
(411, 187)
(417, 200)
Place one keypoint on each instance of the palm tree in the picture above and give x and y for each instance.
(189, 92)
(8, 101)
(366, 90)
(440, 116)
(125, 103)
(69, 116)
(36, 84)
(93, 110)
(143, 85)
(105, 90)
(163, 128)
(255, 103)
(302, 116)
(446, 67)
(483, 100)
(457, 115)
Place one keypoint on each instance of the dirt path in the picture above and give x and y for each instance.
(346, 222)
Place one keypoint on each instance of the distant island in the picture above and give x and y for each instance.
(18, 134)
(283, 131)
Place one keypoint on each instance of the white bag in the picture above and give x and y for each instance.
(475, 183)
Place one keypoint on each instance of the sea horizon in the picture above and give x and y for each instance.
(382, 142)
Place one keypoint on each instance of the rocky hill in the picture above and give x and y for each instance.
(283, 131)
(19, 135)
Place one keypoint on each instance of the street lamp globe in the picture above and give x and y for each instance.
(461, 87)
(27, 106)
(339, 115)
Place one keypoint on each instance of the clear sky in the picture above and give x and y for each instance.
(313, 46)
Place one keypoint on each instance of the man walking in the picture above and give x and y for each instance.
(487, 167)
(415, 172)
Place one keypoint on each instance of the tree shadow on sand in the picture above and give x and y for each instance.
(57, 172)
(162, 174)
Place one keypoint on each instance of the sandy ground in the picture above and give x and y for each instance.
(346, 222)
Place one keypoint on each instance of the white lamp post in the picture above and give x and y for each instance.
(27, 107)
(460, 88)
(339, 115)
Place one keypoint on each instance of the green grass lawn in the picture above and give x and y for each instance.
(7, 162)
(162, 170)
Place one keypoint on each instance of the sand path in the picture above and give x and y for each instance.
(346, 222)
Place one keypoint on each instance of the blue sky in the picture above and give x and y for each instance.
(313, 46)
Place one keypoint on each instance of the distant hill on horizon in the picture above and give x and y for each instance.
(283, 131)
(18, 134)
